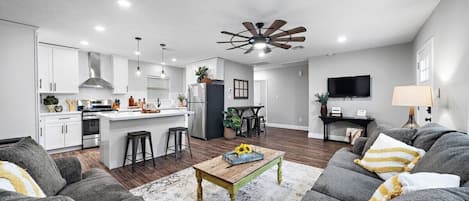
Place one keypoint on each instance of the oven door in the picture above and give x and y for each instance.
(90, 127)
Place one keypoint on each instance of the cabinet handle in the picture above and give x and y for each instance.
(66, 128)
(62, 129)
(64, 118)
(40, 83)
(55, 86)
(40, 132)
(50, 86)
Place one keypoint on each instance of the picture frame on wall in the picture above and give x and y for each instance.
(241, 89)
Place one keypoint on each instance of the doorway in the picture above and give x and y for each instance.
(260, 96)
(424, 64)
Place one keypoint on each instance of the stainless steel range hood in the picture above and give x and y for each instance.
(95, 80)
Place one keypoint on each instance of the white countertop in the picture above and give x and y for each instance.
(122, 116)
(138, 109)
(58, 113)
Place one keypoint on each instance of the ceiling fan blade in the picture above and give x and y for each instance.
(250, 27)
(237, 46)
(234, 41)
(249, 50)
(233, 34)
(291, 39)
(289, 32)
(280, 45)
(274, 27)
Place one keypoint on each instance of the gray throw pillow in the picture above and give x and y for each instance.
(449, 155)
(37, 162)
(402, 134)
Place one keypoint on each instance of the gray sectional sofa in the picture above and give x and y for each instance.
(447, 152)
(61, 179)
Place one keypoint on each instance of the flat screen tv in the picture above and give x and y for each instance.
(357, 86)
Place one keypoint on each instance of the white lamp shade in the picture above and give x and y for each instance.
(413, 96)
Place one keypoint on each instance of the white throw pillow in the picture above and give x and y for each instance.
(16, 179)
(388, 157)
(406, 183)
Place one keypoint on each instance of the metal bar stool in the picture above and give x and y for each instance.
(177, 147)
(248, 120)
(258, 122)
(135, 137)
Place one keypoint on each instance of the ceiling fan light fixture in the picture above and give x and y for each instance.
(260, 45)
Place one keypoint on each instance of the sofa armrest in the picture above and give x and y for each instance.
(13, 196)
(70, 169)
(359, 145)
(447, 194)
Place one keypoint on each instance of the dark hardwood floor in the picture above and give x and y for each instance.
(298, 147)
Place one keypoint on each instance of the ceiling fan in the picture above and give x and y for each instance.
(264, 39)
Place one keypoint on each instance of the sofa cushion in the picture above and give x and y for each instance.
(313, 195)
(96, 185)
(345, 184)
(344, 158)
(402, 134)
(448, 155)
(32, 157)
(426, 136)
(439, 194)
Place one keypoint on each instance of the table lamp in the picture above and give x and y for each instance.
(412, 96)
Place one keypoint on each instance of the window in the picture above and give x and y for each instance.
(241, 89)
(425, 63)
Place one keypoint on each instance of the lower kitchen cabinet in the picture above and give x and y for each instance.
(60, 131)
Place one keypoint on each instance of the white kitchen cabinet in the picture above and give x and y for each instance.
(57, 69)
(120, 67)
(61, 131)
(44, 60)
(54, 136)
(216, 70)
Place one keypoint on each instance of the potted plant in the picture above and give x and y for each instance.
(51, 102)
(322, 98)
(202, 75)
(181, 99)
(231, 123)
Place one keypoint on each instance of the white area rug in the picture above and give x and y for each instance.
(182, 186)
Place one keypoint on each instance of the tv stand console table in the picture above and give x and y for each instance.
(361, 121)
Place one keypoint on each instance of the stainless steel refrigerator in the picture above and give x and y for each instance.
(207, 102)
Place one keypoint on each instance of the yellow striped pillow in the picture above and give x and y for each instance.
(16, 179)
(388, 190)
(388, 157)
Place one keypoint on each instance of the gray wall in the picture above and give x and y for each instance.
(287, 94)
(450, 31)
(388, 66)
(235, 70)
(18, 103)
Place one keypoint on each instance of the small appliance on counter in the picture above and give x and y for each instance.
(90, 121)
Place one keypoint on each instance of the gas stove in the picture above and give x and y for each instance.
(90, 120)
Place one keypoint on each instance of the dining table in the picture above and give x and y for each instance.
(240, 110)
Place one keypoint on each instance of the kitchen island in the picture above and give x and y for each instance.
(114, 127)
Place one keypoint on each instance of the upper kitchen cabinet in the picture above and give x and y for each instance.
(120, 68)
(216, 69)
(57, 69)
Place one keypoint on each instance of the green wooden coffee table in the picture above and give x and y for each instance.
(232, 178)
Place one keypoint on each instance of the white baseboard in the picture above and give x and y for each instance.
(321, 136)
(287, 126)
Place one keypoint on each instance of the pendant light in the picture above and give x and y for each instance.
(163, 48)
(137, 52)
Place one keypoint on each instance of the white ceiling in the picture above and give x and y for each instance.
(191, 28)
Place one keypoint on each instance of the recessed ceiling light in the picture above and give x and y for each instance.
(261, 54)
(124, 3)
(84, 42)
(99, 28)
(137, 53)
(173, 59)
(342, 39)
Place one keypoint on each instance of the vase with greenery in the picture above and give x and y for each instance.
(322, 98)
(51, 102)
(232, 123)
(202, 74)
(181, 99)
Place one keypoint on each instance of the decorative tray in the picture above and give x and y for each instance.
(233, 159)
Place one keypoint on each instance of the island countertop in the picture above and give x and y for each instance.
(122, 116)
